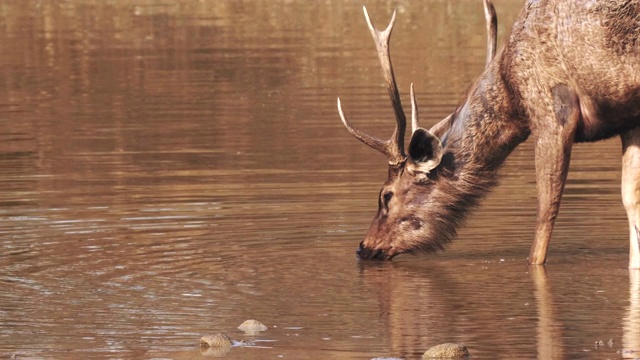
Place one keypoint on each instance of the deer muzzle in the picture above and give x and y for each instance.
(365, 253)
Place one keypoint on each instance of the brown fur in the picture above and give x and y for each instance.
(569, 72)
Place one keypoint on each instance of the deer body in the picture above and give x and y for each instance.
(569, 72)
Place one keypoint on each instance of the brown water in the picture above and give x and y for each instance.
(171, 169)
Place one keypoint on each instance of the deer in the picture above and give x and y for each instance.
(568, 72)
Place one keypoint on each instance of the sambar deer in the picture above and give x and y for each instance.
(569, 72)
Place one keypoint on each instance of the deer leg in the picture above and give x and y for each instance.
(552, 154)
(631, 191)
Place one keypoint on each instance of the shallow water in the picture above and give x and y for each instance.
(173, 169)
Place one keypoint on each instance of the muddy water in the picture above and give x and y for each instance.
(171, 169)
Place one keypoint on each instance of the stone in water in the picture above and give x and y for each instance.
(215, 340)
(252, 327)
(446, 351)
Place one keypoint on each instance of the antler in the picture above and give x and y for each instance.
(492, 29)
(394, 147)
(415, 124)
(492, 39)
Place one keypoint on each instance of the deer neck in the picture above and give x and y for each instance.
(480, 136)
(488, 126)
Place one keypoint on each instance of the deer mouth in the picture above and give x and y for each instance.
(364, 253)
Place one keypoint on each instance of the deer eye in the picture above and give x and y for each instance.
(386, 197)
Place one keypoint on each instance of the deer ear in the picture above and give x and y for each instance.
(425, 151)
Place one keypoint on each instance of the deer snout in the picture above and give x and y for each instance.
(365, 253)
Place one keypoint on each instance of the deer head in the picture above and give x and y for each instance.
(413, 202)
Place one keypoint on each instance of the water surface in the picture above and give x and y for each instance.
(171, 169)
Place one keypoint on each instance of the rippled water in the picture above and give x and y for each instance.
(171, 169)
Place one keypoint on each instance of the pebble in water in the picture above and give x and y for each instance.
(446, 351)
(216, 345)
(252, 327)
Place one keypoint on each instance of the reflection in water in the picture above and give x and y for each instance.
(486, 307)
(549, 331)
(171, 169)
(427, 304)
(631, 334)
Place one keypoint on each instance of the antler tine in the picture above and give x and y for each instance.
(492, 29)
(380, 145)
(492, 35)
(414, 112)
(381, 39)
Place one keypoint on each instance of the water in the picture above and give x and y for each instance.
(171, 169)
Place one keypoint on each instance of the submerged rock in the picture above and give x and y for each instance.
(252, 327)
(216, 345)
(215, 340)
(446, 351)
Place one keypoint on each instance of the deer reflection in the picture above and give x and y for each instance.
(416, 306)
(548, 330)
(422, 305)
(631, 323)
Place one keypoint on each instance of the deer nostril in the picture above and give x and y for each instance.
(361, 251)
